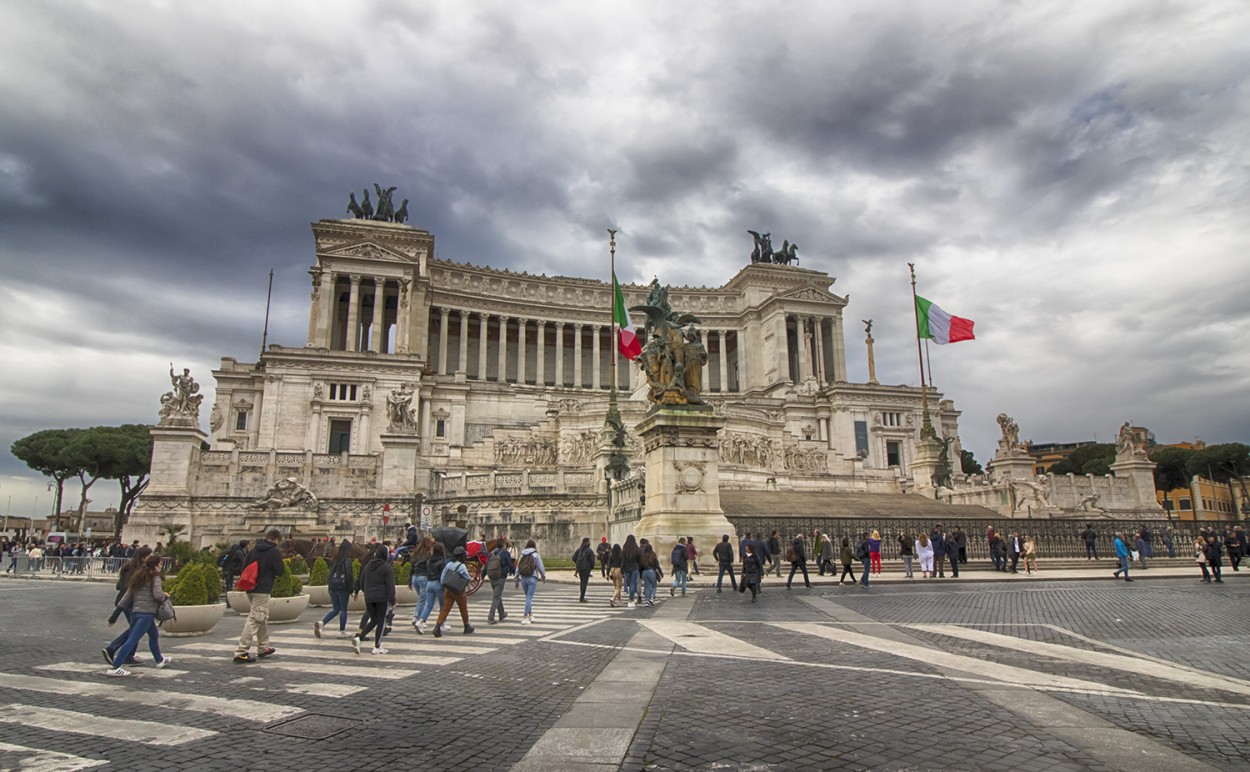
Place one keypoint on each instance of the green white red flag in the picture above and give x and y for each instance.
(628, 341)
(939, 326)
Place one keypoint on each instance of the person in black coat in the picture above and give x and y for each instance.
(799, 563)
(724, 554)
(1215, 558)
(938, 539)
(377, 582)
(752, 570)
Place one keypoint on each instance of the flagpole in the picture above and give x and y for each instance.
(616, 333)
(926, 428)
(928, 359)
(264, 337)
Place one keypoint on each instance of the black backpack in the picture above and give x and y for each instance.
(494, 565)
(338, 576)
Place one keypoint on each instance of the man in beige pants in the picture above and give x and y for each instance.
(268, 565)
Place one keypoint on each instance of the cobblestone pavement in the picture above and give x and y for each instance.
(1081, 675)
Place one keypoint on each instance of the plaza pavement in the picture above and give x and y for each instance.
(985, 672)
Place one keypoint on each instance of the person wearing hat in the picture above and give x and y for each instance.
(604, 553)
(450, 596)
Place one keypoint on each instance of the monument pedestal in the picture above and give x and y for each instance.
(1140, 470)
(683, 479)
(399, 465)
(166, 501)
(925, 465)
(1012, 465)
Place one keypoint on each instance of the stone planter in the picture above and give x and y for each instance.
(318, 595)
(405, 596)
(281, 610)
(193, 620)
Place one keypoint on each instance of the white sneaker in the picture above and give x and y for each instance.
(356, 644)
(378, 651)
(631, 604)
(344, 634)
(118, 672)
(164, 661)
(317, 628)
(525, 620)
(420, 627)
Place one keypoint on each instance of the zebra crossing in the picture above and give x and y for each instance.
(172, 701)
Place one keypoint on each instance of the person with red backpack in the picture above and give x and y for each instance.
(262, 565)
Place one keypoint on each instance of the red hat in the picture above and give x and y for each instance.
(604, 539)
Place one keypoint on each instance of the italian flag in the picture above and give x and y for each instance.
(628, 343)
(940, 326)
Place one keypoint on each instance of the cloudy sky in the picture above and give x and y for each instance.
(1075, 181)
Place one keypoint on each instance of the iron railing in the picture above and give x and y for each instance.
(67, 568)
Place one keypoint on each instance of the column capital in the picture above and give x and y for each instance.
(444, 312)
(578, 325)
(355, 278)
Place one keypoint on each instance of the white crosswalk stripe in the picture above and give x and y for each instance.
(40, 760)
(124, 729)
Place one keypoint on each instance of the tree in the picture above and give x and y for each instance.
(1226, 463)
(44, 452)
(131, 466)
(1171, 470)
(968, 463)
(1095, 458)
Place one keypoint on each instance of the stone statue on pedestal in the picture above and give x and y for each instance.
(182, 404)
(872, 362)
(399, 411)
(1126, 446)
(673, 356)
(286, 493)
(1009, 443)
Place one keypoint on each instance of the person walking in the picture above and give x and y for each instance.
(1121, 553)
(1236, 544)
(1215, 558)
(906, 549)
(724, 554)
(952, 553)
(603, 552)
(827, 557)
(798, 561)
(1200, 557)
(692, 558)
(752, 570)
(122, 585)
(862, 554)
(1139, 549)
(377, 582)
(961, 544)
(269, 565)
(614, 573)
(924, 551)
(938, 540)
(1090, 537)
(1030, 555)
(452, 596)
(529, 571)
(340, 585)
(419, 560)
(651, 574)
(499, 567)
(143, 597)
(1015, 547)
(631, 566)
(681, 563)
(774, 552)
(874, 553)
(433, 586)
(583, 564)
(847, 556)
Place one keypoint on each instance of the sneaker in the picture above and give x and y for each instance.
(492, 622)
(135, 659)
(243, 658)
(420, 627)
(386, 631)
(317, 628)
(267, 651)
(378, 650)
(631, 604)
(344, 634)
(525, 620)
(118, 672)
(1129, 580)
(438, 631)
(108, 655)
(416, 623)
(468, 629)
(356, 643)
(672, 591)
(164, 661)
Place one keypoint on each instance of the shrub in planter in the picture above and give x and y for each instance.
(188, 588)
(403, 571)
(297, 566)
(212, 582)
(286, 585)
(320, 573)
(356, 571)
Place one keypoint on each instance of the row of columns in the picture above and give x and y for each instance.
(817, 359)
(354, 336)
(628, 377)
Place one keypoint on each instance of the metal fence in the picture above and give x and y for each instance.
(1054, 538)
(67, 568)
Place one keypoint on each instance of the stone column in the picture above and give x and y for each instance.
(462, 362)
(321, 315)
(595, 355)
(541, 380)
(804, 340)
(483, 321)
(839, 349)
(351, 341)
(502, 376)
(520, 349)
(443, 314)
(376, 333)
(722, 337)
(560, 354)
(819, 323)
(577, 355)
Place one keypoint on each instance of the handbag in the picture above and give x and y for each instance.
(165, 611)
(455, 581)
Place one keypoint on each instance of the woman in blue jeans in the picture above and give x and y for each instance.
(433, 585)
(143, 596)
(340, 586)
(630, 555)
(651, 574)
(533, 563)
(420, 556)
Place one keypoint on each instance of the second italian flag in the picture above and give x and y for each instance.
(629, 344)
(940, 326)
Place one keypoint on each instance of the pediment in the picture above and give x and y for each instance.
(812, 294)
(368, 250)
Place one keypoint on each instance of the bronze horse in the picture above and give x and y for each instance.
(309, 550)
